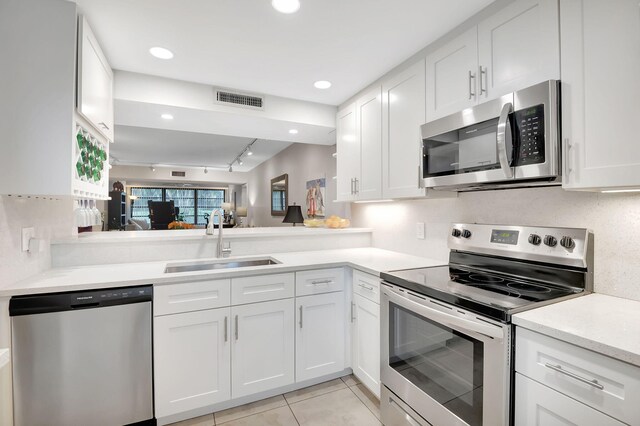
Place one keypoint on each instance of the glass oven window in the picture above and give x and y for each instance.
(443, 363)
(470, 149)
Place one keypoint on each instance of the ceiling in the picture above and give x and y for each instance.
(247, 45)
(146, 146)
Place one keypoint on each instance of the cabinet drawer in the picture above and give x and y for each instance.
(606, 384)
(366, 285)
(319, 281)
(261, 288)
(190, 296)
(538, 405)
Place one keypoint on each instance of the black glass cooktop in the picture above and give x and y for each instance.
(492, 294)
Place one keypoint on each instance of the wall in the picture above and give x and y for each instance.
(302, 162)
(614, 219)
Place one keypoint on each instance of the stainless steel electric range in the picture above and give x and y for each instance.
(447, 345)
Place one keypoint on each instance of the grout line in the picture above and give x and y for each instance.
(362, 402)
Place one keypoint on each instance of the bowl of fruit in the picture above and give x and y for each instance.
(337, 222)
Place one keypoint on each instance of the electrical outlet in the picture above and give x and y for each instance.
(420, 231)
(27, 234)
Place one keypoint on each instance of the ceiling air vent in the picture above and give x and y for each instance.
(238, 99)
(178, 174)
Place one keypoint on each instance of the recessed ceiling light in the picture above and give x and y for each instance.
(293, 131)
(286, 6)
(240, 161)
(322, 84)
(249, 152)
(167, 116)
(161, 53)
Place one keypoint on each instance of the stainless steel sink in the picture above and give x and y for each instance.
(218, 264)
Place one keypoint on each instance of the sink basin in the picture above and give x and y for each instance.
(218, 264)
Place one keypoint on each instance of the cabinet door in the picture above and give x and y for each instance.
(366, 343)
(538, 405)
(600, 92)
(320, 324)
(452, 76)
(348, 149)
(517, 47)
(95, 82)
(403, 112)
(263, 346)
(369, 115)
(192, 362)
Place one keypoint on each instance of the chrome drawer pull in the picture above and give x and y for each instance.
(236, 327)
(321, 282)
(300, 316)
(559, 369)
(226, 336)
(366, 286)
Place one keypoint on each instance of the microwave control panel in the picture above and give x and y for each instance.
(528, 128)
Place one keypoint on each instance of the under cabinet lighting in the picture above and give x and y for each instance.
(161, 52)
(166, 116)
(372, 201)
(293, 131)
(616, 191)
(286, 6)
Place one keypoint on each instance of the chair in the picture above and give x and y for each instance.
(161, 214)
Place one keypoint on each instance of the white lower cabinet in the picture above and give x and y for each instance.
(320, 330)
(263, 346)
(191, 360)
(538, 405)
(365, 352)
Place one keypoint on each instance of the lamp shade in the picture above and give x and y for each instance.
(293, 215)
(226, 207)
(241, 211)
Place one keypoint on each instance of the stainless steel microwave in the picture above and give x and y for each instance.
(512, 141)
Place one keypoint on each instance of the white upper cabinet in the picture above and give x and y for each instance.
(517, 47)
(320, 325)
(348, 149)
(403, 112)
(452, 75)
(369, 115)
(95, 82)
(600, 93)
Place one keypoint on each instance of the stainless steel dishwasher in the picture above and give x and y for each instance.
(83, 358)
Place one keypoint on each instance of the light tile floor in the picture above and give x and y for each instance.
(339, 402)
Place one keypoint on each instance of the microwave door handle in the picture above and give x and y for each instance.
(503, 137)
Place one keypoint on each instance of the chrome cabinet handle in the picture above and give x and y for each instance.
(472, 79)
(102, 124)
(352, 186)
(483, 76)
(226, 335)
(352, 306)
(502, 138)
(321, 282)
(236, 327)
(366, 286)
(300, 316)
(559, 369)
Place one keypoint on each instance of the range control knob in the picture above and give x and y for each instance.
(456, 232)
(466, 233)
(567, 242)
(550, 240)
(535, 239)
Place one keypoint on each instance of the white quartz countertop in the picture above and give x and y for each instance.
(199, 234)
(4, 357)
(605, 324)
(371, 260)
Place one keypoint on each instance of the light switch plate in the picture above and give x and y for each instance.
(27, 234)
(420, 230)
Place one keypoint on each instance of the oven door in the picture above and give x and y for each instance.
(447, 364)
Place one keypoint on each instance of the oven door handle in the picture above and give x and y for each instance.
(503, 136)
(455, 322)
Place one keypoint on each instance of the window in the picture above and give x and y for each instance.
(194, 204)
(140, 207)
